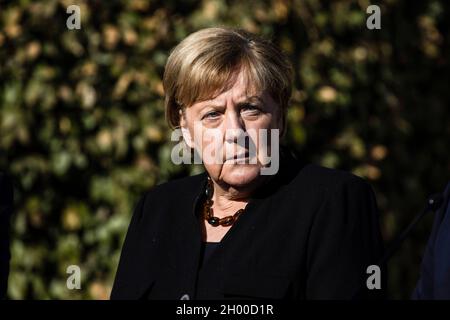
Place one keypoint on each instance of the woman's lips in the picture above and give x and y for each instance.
(243, 155)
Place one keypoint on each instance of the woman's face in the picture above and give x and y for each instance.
(228, 126)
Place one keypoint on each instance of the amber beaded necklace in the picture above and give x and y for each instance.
(208, 214)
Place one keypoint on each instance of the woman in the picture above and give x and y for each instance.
(295, 231)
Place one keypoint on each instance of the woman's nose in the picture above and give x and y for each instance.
(234, 127)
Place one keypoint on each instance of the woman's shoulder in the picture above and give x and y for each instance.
(328, 176)
(175, 188)
(313, 176)
(301, 173)
(168, 195)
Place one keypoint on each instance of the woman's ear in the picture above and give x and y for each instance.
(185, 131)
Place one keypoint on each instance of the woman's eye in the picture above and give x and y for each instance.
(211, 115)
(250, 108)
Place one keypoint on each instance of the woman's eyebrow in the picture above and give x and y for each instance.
(251, 99)
(213, 105)
(219, 105)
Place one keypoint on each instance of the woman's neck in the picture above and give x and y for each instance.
(228, 199)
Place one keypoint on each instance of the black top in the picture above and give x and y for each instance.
(207, 250)
(310, 233)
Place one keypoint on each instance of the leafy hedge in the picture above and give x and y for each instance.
(82, 127)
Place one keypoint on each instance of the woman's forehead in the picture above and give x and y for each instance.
(239, 84)
(239, 90)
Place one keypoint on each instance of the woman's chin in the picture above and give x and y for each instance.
(240, 175)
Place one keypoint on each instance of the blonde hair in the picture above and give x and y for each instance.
(207, 62)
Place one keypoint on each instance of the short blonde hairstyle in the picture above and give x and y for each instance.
(207, 62)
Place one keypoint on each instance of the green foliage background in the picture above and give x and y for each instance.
(82, 127)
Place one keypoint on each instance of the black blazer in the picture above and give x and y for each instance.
(310, 233)
(6, 204)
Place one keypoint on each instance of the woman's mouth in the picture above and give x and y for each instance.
(240, 156)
